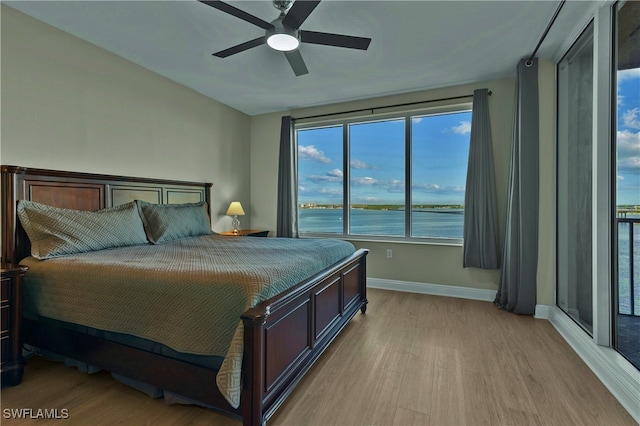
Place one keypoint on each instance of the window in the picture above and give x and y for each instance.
(398, 177)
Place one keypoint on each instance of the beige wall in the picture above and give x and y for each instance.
(69, 105)
(420, 263)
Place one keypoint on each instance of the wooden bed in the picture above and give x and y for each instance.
(308, 316)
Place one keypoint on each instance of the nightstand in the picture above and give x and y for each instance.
(11, 361)
(247, 233)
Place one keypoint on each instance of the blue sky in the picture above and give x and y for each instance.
(439, 161)
(628, 137)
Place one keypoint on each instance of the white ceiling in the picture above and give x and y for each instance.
(415, 45)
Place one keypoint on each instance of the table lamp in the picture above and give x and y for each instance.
(235, 210)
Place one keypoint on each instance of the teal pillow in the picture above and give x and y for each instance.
(167, 222)
(55, 232)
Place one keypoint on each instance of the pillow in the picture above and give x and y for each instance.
(167, 222)
(56, 232)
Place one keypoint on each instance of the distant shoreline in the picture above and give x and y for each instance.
(621, 209)
(624, 210)
(312, 206)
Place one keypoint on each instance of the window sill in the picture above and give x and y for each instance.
(450, 242)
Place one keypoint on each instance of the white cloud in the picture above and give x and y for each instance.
(628, 74)
(330, 191)
(455, 188)
(620, 177)
(365, 181)
(394, 185)
(359, 164)
(329, 177)
(463, 128)
(631, 164)
(631, 118)
(310, 152)
(435, 188)
(628, 143)
(427, 187)
(335, 173)
(628, 151)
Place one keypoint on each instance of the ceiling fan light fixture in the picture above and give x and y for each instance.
(283, 42)
(282, 38)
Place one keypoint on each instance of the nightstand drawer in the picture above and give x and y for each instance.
(4, 314)
(4, 345)
(11, 360)
(4, 291)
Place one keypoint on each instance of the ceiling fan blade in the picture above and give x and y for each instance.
(240, 47)
(234, 11)
(297, 63)
(338, 40)
(299, 12)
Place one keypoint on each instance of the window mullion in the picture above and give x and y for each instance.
(346, 178)
(407, 177)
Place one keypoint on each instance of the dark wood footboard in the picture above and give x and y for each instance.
(285, 335)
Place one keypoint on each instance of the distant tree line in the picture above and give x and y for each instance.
(381, 206)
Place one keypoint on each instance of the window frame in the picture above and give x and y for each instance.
(345, 122)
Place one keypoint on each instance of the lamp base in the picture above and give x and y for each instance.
(236, 224)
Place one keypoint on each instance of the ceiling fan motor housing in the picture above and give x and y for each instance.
(282, 5)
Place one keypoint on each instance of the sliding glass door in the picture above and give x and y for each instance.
(627, 223)
(598, 180)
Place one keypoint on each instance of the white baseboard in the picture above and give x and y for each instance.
(614, 371)
(435, 289)
(542, 312)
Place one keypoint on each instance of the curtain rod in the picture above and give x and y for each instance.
(529, 61)
(387, 106)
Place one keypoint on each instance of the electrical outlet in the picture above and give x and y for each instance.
(389, 253)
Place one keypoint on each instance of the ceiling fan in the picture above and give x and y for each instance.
(284, 33)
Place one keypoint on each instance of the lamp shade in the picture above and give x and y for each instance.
(235, 208)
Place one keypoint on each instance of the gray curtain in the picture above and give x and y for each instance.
(480, 217)
(287, 221)
(517, 289)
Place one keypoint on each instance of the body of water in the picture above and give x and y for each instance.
(434, 223)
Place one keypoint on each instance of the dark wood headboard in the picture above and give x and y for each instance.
(81, 191)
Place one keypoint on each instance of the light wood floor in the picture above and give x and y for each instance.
(411, 360)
